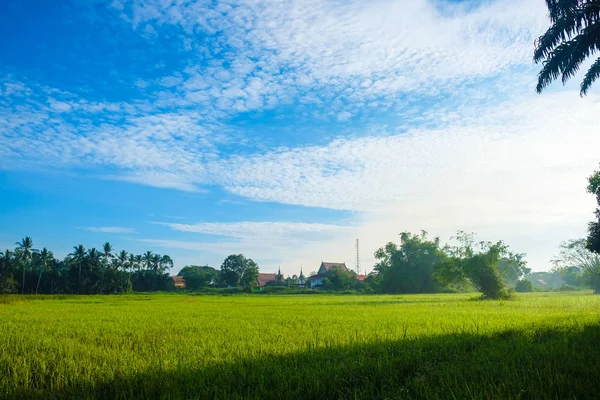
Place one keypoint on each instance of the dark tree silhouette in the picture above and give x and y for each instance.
(573, 37)
(26, 253)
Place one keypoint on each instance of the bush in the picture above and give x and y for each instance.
(524, 286)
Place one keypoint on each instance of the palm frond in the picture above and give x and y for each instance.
(554, 65)
(583, 46)
(560, 8)
(592, 74)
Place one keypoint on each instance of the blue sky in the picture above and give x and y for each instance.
(285, 130)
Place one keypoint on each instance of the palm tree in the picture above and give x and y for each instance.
(78, 257)
(166, 263)
(6, 259)
(138, 261)
(122, 257)
(94, 257)
(156, 259)
(26, 253)
(147, 259)
(45, 256)
(107, 250)
(573, 37)
(131, 266)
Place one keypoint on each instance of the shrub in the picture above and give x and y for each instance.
(524, 286)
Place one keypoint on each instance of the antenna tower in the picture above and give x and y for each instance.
(357, 259)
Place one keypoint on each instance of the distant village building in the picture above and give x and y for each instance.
(316, 280)
(179, 282)
(263, 279)
(361, 278)
(301, 280)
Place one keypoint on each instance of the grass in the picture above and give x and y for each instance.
(541, 345)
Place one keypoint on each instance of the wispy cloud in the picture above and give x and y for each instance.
(438, 97)
(109, 229)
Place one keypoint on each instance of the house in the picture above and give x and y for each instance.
(316, 280)
(264, 278)
(361, 278)
(179, 282)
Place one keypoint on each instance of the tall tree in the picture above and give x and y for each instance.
(574, 35)
(46, 258)
(131, 264)
(7, 282)
(78, 258)
(107, 251)
(138, 262)
(122, 259)
(574, 255)
(475, 264)
(410, 266)
(197, 276)
(26, 253)
(593, 239)
(239, 270)
(94, 258)
(147, 260)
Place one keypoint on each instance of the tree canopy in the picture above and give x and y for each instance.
(409, 267)
(475, 264)
(574, 36)
(238, 270)
(574, 257)
(82, 271)
(593, 239)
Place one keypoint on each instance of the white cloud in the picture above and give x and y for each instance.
(110, 229)
(494, 158)
(285, 232)
(354, 50)
(60, 106)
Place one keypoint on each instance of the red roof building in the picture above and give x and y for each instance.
(263, 279)
(179, 282)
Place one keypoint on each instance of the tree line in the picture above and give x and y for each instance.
(84, 271)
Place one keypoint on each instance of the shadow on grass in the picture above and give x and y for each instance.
(542, 364)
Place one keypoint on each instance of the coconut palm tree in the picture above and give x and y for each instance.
(138, 262)
(5, 261)
(78, 257)
(45, 258)
(107, 251)
(165, 263)
(156, 259)
(122, 260)
(26, 253)
(147, 259)
(131, 265)
(573, 37)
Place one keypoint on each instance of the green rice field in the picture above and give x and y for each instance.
(540, 345)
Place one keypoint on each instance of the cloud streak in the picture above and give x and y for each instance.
(109, 229)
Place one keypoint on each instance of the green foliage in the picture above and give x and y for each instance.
(572, 38)
(512, 268)
(198, 276)
(238, 270)
(299, 347)
(83, 271)
(524, 286)
(475, 264)
(593, 239)
(410, 266)
(574, 257)
(340, 279)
